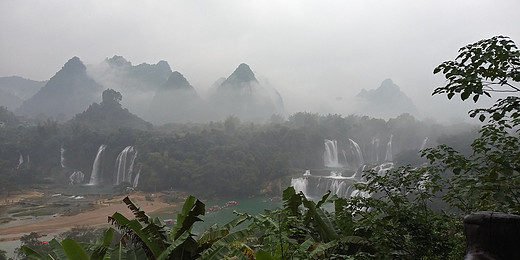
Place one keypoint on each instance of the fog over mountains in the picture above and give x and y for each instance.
(159, 95)
(14, 90)
(387, 101)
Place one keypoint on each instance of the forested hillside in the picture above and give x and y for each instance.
(219, 158)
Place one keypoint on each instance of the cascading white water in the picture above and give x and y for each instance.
(124, 165)
(20, 161)
(62, 157)
(375, 149)
(136, 179)
(300, 184)
(383, 168)
(423, 145)
(357, 150)
(358, 193)
(330, 156)
(388, 156)
(338, 187)
(97, 167)
(336, 174)
(76, 177)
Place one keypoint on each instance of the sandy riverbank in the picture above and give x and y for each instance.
(93, 218)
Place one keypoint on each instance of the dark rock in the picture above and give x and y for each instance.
(492, 235)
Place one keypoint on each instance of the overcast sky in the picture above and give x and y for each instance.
(312, 51)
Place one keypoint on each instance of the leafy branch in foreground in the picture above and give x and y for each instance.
(489, 179)
(485, 67)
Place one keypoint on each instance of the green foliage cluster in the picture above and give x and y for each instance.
(488, 178)
(147, 238)
(396, 226)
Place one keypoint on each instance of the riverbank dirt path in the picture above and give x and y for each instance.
(93, 218)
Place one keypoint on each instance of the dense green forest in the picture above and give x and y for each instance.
(219, 158)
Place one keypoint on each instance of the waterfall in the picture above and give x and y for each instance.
(62, 157)
(357, 151)
(388, 156)
(338, 187)
(375, 147)
(358, 193)
(97, 167)
(423, 145)
(20, 161)
(335, 174)
(124, 165)
(330, 156)
(76, 177)
(300, 184)
(136, 179)
(359, 173)
(383, 168)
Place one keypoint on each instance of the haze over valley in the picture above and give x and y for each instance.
(297, 106)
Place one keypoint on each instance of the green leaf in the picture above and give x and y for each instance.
(321, 220)
(101, 247)
(263, 255)
(221, 248)
(482, 118)
(323, 199)
(191, 209)
(138, 213)
(211, 236)
(237, 221)
(178, 242)
(292, 201)
(465, 94)
(57, 249)
(136, 227)
(320, 250)
(496, 116)
(74, 250)
(31, 253)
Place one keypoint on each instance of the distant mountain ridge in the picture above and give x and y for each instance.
(242, 95)
(137, 83)
(153, 92)
(65, 94)
(14, 90)
(144, 75)
(241, 77)
(386, 101)
(176, 101)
